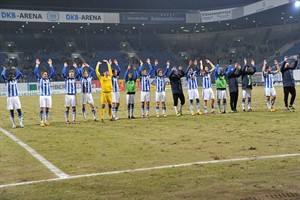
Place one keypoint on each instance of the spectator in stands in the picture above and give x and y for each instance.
(288, 82)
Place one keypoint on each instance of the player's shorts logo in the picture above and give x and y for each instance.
(53, 16)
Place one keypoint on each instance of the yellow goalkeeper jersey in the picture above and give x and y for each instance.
(106, 82)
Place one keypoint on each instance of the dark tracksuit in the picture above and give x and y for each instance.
(288, 82)
(175, 81)
(232, 75)
(247, 77)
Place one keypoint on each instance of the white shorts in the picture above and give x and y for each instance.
(115, 97)
(87, 98)
(145, 96)
(70, 101)
(221, 94)
(270, 92)
(193, 94)
(130, 98)
(13, 103)
(45, 102)
(160, 97)
(208, 94)
(246, 93)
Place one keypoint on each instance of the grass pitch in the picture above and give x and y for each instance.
(94, 147)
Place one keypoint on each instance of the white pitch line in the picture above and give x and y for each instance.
(39, 157)
(151, 168)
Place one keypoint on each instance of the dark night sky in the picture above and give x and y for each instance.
(125, 5)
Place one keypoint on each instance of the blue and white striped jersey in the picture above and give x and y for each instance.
(44, 83)
(269, 79)
(206, 80)
(70, 83)
(145, 83)
(45, 88)
(145, 79)
(12, 88)
(160, 84)
(192, 81)
(86, 84)
(115, 84)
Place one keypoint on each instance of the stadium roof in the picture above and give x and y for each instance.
(125, 5)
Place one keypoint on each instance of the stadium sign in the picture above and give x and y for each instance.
(55, 16)
(216, 15)
(152, 18)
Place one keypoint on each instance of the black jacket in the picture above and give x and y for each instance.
(287, 74)
(232, 76)
(247, 77)
(175, 81)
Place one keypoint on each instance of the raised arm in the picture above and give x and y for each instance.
(36, 69)
(264, 67)
(92, 71)
(277, 66)
(228, 71)
(109, 68)
(150, 69)
(172, 72)
(135, 73)
(19, 73)
(118, 67)
(3, 74)
(253, 67)
(167, 68)
(282, 69)
(64, 70)
(295, 63)
(51, 68)
(126, 73)
(213, 67)
(97, 70)
(77, 71)
(141, 67)
(216, 73)
(244, 66)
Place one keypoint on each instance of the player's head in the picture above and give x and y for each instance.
(195, 62)
(85, 73)
(206, 69)
(160, 72)
(268, 68)
(130, 75)
(175, 71)
(144, 72)
(191, 70)
(248, 68)
(11, 76)
(44, 74)
(287, 65)
(221, 70)
(105, 73)
(71, 73)
(115, 72)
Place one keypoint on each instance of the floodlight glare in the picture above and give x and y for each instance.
(297, 4)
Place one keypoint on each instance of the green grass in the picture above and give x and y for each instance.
(93, 147)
